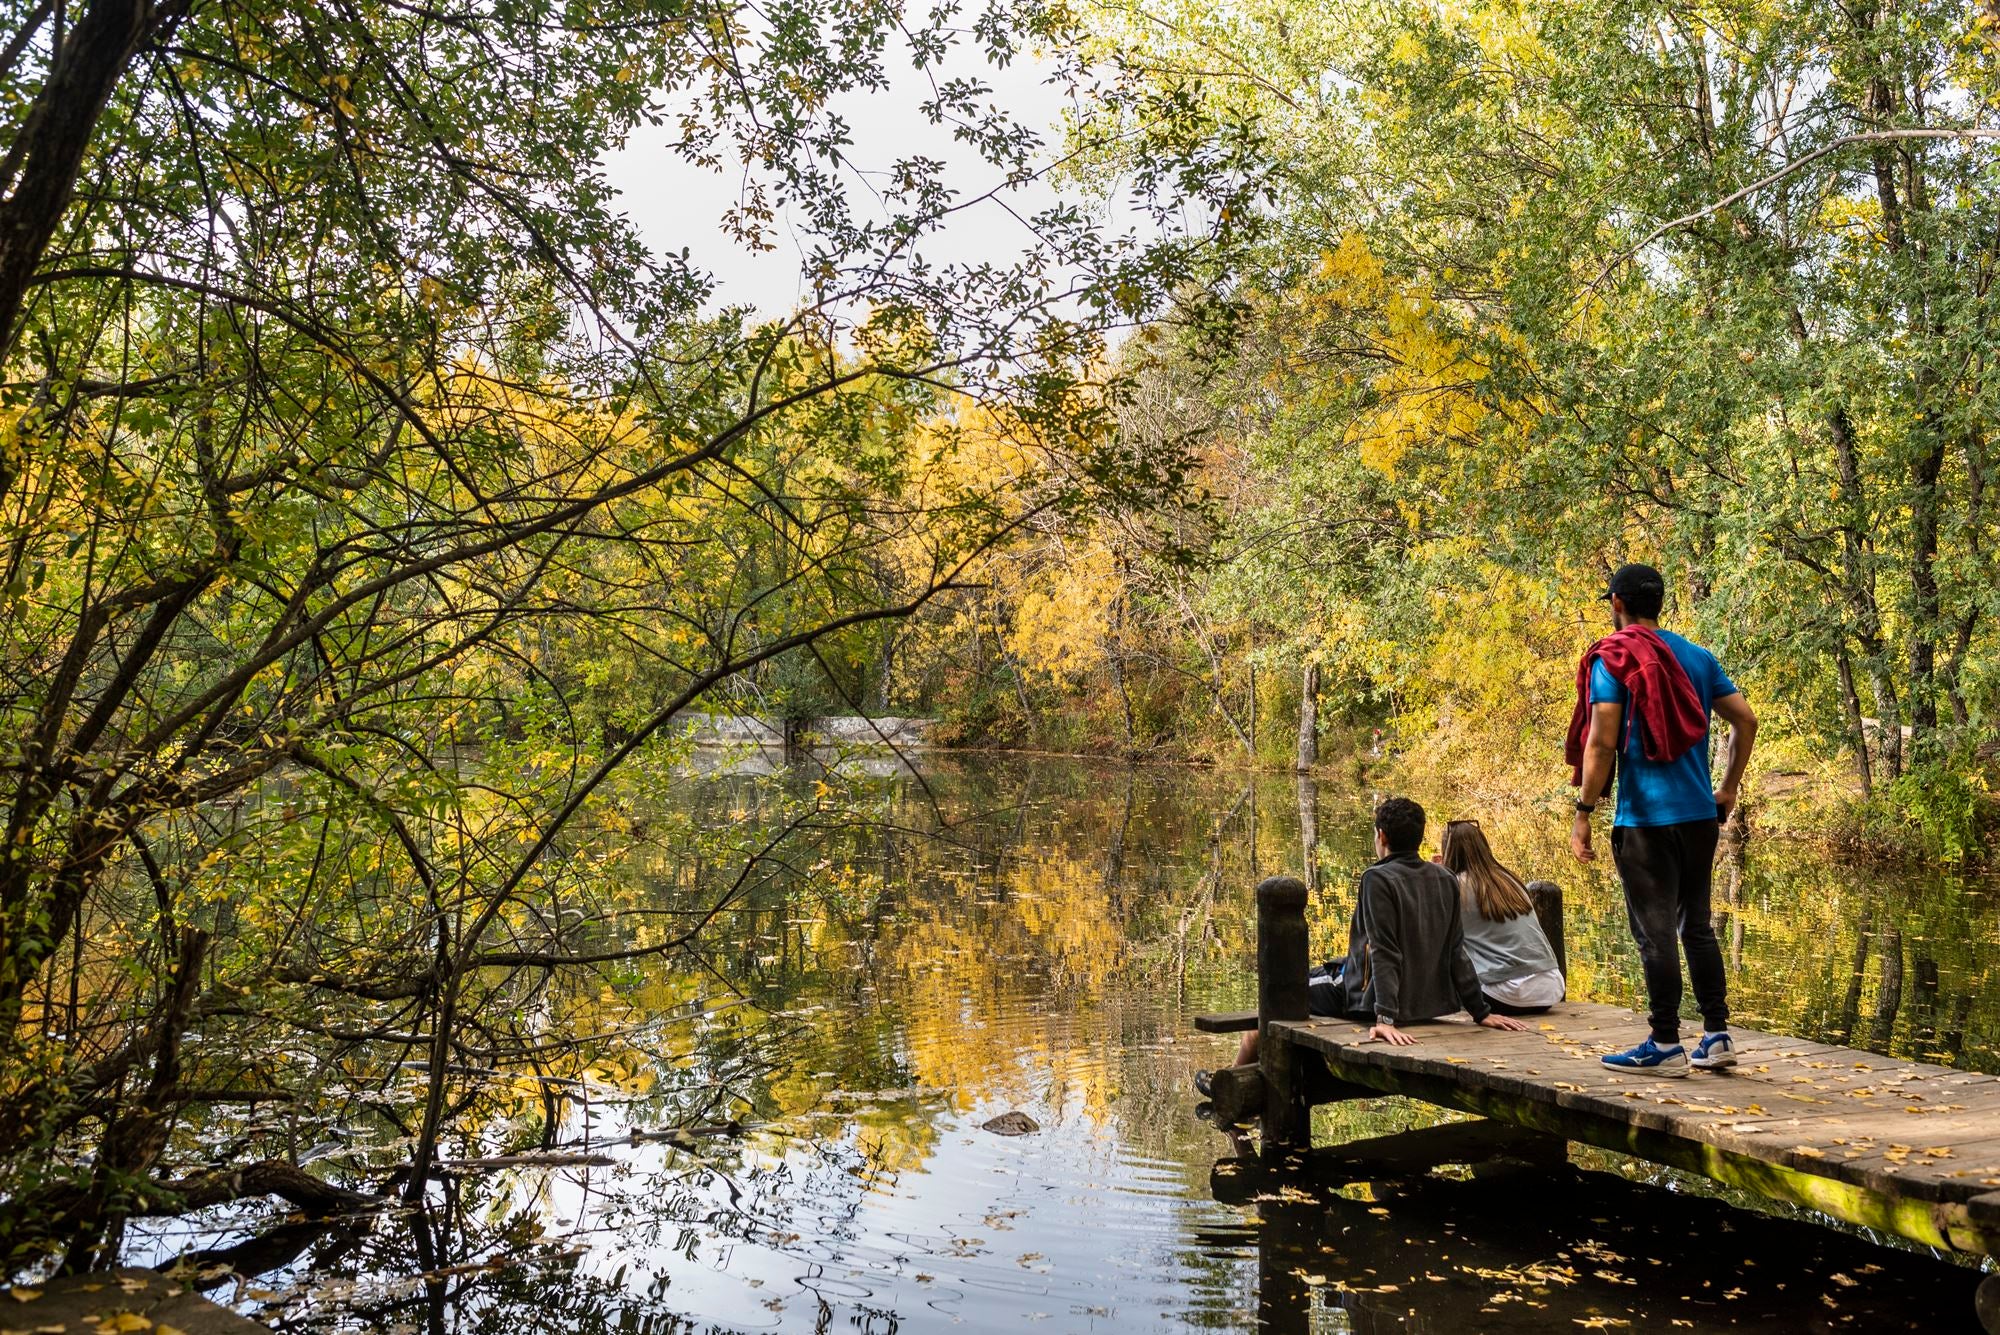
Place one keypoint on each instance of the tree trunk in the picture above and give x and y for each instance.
(1308, 792)
(885, 677)
(1250, 742)
(1308, 718)
(1860, 581)
(1890, 714)
(1117, 651)
(38, 177)
(1925, 621)
(1857, 729)
(1968, 621)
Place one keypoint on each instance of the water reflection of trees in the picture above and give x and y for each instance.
(1029, 934)
(1067, 888)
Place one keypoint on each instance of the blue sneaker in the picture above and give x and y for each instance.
(1714, 1052)
(1649, 1058)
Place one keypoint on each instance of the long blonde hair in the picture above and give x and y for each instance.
(1498, 892)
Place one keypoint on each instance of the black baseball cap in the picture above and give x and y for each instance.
(1635, 577)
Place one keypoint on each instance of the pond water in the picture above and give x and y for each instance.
(1011, 935)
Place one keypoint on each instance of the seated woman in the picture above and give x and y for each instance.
(1517, 969)
(1405, 957)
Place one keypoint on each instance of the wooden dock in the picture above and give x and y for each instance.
(1905, 1147)
(111, 1301)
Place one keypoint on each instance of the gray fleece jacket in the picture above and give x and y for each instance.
(1406, 955)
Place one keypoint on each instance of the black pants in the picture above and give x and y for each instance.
(1666, 871)
(1499, 1007)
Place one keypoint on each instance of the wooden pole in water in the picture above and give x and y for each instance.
(1547, 897)
(1282, 965)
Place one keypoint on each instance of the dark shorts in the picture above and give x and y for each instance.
(1326, 995)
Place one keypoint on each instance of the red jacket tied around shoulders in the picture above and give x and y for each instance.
(1658, 695)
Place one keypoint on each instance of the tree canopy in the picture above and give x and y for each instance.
(1548, 287)
(371, 494)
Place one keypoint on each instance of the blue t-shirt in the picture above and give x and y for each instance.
(1651, 793)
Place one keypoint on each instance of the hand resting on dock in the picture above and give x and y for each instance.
(1389, 1033)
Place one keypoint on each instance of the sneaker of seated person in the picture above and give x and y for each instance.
(1714, 1052)
(1204, 1084)
(1650, 1058)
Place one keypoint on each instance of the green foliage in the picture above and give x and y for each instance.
(1941, 810)
(1547, 289)
(370, 494)
(1949, 804)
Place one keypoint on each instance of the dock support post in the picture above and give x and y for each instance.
(1282, 966)
(1547, 897)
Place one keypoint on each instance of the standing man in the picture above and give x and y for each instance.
(1644, 697)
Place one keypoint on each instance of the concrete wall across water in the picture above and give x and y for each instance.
(843, 731)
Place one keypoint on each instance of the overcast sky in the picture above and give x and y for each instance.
(675, 204)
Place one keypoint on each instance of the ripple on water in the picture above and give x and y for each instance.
(1044, 962)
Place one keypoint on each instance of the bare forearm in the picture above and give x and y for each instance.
(1597, 766)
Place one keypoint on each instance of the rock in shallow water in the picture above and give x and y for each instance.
(1011, 1124)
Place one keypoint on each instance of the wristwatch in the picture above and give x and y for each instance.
(1585, 807)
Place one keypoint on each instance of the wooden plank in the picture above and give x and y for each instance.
(1948, 1225)
(1226, 1022)
(87, 1304)
(1857, 1123)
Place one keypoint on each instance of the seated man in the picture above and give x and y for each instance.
(1406, 957)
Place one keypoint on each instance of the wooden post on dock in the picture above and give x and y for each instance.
(1283, 962)
(1547, 897)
